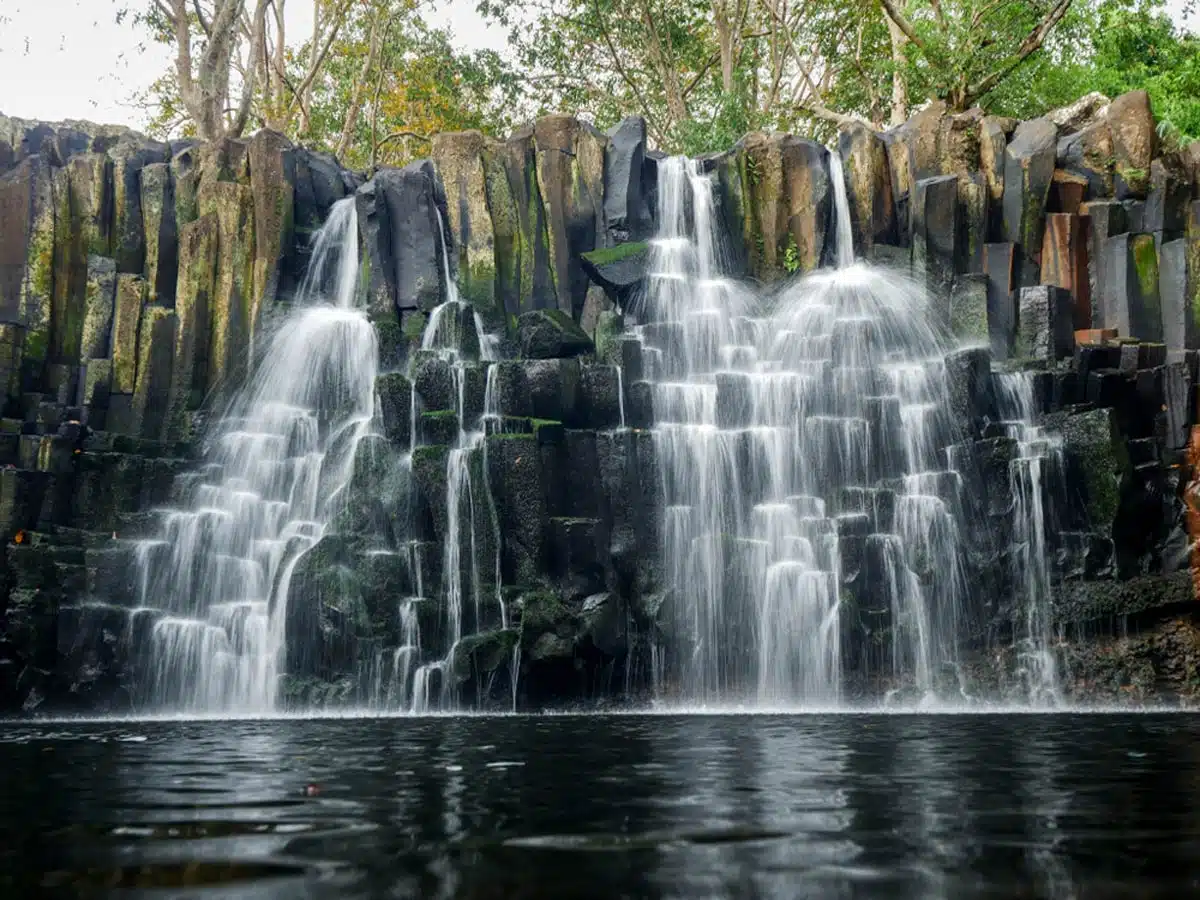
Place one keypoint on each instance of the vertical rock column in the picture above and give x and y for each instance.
(570, 174)
(483, 221)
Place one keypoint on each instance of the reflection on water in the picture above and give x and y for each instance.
(621, 806)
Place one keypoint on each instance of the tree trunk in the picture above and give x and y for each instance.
(899, 83)
(726, 40)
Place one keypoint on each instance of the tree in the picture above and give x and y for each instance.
(228, 47)
(1136, 45)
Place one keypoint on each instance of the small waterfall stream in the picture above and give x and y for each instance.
(1033, 474)
(276, 466)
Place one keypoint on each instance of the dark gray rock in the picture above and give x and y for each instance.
(551, 334)
(1100, 464)
(1045, 329)
(395, 394)
(1029, 161)
(625, 194)
(1181, 325)
(934, 232)
(400, 212)
(620, 270)
(1131, 267)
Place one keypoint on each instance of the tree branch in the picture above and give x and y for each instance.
(892, 11)
(1033, 42)
(314, 68)
(616, 58)
(205, 26)
(257, 39)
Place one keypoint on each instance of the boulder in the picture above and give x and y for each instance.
(868, 186)
(1088, 154)
(1134, 140)
(626, 214)
(620, 270)
(551, 334)
(1087, 110)
(402, 221)
(1028, 170)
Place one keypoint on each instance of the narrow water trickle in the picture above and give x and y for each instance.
(275, 469)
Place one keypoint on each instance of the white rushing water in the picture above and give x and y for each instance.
(275, 469)
(844, 236)
(1032, 476)
(470, 558)
(802, 440)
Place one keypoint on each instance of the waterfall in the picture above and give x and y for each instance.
(1037, 467)
(471, 547)
(802, 449)
(275, 469)
(841, 213)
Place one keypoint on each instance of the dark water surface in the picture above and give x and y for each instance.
(605, 807)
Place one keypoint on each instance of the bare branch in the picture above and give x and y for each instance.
(205, 26)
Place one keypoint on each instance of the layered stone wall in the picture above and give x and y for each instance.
(136, 277)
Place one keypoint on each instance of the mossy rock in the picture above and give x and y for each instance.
(551, 334)
(482, 654)
(1094, 442)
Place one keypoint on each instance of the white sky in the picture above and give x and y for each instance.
(69, 59)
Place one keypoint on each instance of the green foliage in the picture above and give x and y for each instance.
(1137, 46)
(791, 256)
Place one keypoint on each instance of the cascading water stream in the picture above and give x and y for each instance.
(276, 466)
(1037, 467)
(844, 237)
(801, 441)
(472, 529)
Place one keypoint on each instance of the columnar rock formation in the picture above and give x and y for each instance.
(137, 279)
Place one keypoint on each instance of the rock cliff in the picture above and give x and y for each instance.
(137, 279)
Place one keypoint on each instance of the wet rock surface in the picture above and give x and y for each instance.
(137, 279)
